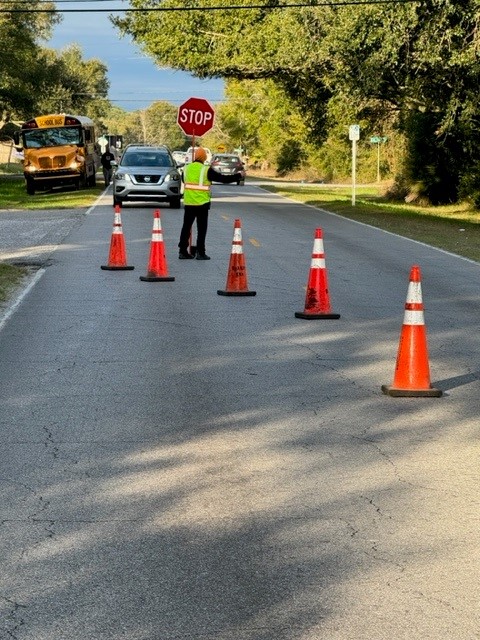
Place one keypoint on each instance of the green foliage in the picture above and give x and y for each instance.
(421, 62)
(36, 80)
(296, 78)
(392, 67)
(469, 187)
(290, 157)
(155, 125)
(259, 117)
(70, 84)
(430, 164)
(20, 67)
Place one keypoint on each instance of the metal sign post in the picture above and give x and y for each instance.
(354, 135)
(378, 140)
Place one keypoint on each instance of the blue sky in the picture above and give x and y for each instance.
(135, 81)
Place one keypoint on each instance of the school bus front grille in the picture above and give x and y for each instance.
(57, 162)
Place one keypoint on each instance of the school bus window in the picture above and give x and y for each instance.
(52, 137)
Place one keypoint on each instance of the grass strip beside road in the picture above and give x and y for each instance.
(10, 278)
(454, 228)
(14, 196)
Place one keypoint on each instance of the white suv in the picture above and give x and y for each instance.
(189, 155)
(147, 173)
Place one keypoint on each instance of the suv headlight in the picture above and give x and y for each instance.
(122, 176)
(172, 177)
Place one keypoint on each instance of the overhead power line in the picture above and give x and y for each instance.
(311, 5)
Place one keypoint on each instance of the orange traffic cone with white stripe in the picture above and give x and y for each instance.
(157, 269)
(237, 281)
(412, 370)
(117, 258)
(317, 299)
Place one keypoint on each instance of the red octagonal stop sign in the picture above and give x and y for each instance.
(195, 116)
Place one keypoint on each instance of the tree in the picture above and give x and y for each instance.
(69, 83)
(20, 34)
(413, 65)
(156, 125)
(260, 118)
(419, 62)
(87, 81)
(245, 44)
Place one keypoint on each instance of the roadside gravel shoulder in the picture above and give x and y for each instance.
(30, 238)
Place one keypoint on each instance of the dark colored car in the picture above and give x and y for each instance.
(228, 164)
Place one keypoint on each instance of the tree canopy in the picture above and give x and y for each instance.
(412, 65)
(19, 36)
(34, 79)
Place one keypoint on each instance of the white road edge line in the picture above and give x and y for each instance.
(364, 224)
(14, 306)
(17, 302)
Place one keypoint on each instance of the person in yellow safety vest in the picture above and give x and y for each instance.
(198, 178)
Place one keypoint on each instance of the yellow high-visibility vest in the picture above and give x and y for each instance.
(197, 184)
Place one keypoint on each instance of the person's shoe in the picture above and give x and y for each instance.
(184, 255)
(202, 256)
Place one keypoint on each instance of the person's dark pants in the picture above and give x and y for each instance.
(200, 212)
(107, 175)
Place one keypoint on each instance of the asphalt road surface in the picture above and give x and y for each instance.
(177, 464)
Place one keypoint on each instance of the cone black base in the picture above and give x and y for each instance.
(236, 293)
(157, 278)
(411, 393)
(105, 267)
(317, 316)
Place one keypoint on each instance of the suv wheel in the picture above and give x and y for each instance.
(116, 201)
(175, 203)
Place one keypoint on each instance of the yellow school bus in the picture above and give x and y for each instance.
(58, 149)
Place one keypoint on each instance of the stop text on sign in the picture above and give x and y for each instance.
(190, 116)
(195, 116)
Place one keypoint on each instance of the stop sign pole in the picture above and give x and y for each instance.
(195, 117)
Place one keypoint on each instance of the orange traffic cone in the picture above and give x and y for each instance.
(237, 282)
(157, 269)
(412, 371)
(317, 299)
(117, 258)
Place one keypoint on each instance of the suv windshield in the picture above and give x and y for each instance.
(146, 159)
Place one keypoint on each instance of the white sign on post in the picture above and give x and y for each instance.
(354, 135)
(354, 132)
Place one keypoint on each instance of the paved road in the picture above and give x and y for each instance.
(181, 465)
